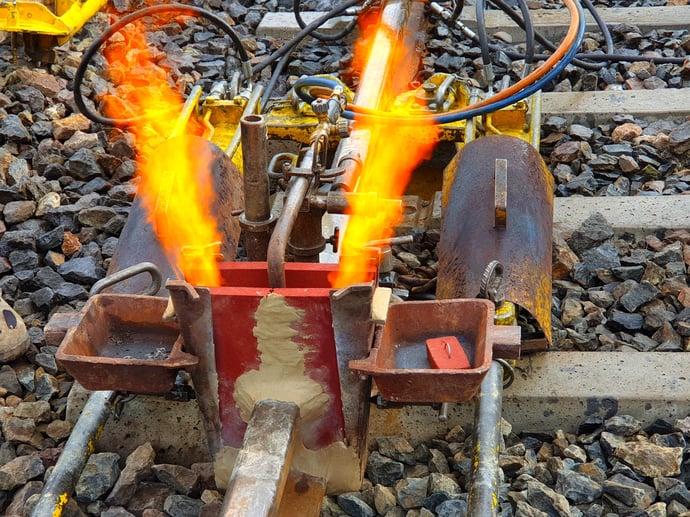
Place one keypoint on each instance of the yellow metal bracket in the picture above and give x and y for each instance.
(34, 17)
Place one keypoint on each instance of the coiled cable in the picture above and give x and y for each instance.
(553, 66)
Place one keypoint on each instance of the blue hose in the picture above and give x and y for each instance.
(303, 85)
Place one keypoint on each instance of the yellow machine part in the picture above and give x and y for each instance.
(67, 17)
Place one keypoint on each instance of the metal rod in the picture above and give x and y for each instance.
(256, 219)
(190, 105)
(119, 276)
(250, 109)
(483, 497)
(263, 464)
(78, 448)
(254, 139)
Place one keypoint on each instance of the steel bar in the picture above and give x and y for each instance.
(294, 198)
(483, 497)
(256, 219)
(193, 311)
(263, 464)
(79, 446)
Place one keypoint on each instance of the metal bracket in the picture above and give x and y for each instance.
(128, 272)
(500, 192)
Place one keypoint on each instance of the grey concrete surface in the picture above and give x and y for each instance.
(640, 215)
(558, 390)
(553, 23)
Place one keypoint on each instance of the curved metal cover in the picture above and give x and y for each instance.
(474, 231)
(138, 241)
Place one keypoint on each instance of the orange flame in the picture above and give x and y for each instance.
(394, 152)
(175, 179)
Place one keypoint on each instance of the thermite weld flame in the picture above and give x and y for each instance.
(175, 182)
(394, 152)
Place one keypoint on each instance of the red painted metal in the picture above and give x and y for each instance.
(234, 306)
(446, 353)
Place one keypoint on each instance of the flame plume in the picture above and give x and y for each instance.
(175, 181)
(394, 152)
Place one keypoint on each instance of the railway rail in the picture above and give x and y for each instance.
(264, 431)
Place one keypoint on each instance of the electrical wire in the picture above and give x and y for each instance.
(457, 9)
(320, 35)
(518, 91)
(126, 20)
(285, 51)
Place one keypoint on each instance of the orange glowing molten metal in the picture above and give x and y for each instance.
(175, 183)
(394, 152)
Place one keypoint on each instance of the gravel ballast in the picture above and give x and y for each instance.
(66, 188)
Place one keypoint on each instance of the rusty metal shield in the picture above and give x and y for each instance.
(138, 241)
(500, 207)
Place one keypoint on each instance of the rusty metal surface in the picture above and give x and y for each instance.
(256, 219)
(297, 190)
(262, 466)
(353, 331)
(399, 362)
(122, 344)
(138, 241)
(193, 311)
(469, 240)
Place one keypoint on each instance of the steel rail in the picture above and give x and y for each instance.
(60, 485)
(484, 482)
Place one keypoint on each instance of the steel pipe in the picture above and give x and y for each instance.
(256, 219)
(483, 497)
(294, 197)
(261, 470)
(78, 449)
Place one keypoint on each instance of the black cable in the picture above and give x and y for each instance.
(540, 37)
(320, 35)
(610, 49)
(113, 29)
(273, 81)
(290, 45)
(480, 6)
(457, 9)
(529, 33)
